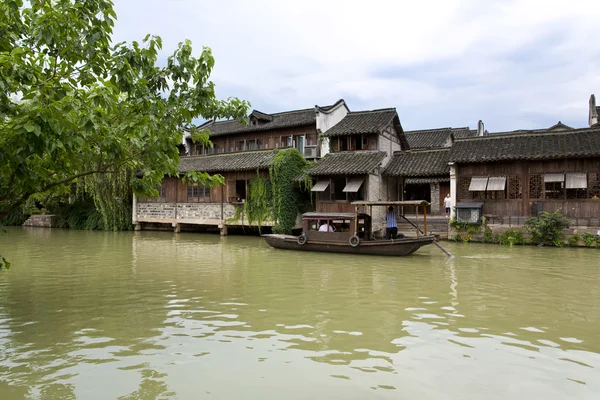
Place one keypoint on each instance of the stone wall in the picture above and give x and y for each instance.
(156, 210)
(435, 198)
(189, 213)
(42, 221)
(209, 211)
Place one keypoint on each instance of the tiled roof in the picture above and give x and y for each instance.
(528, 146)
(419, 163)
(435, 138)
(287, 119)
(244, 161)
(348, 163)
(362, 122)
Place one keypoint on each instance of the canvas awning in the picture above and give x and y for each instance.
(554, 177)
(353, 185)
(320, 186)
(576, 181)
(496, 183)
(478, 183)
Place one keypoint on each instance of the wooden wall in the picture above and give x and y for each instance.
(270, 139)
(176, 189)
(585, 208)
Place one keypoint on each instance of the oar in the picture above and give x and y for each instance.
(434, 242)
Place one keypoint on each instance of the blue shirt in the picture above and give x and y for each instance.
(391, 220)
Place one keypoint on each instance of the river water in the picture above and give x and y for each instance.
(95, 315)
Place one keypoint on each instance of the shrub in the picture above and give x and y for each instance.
(511, 237)
(457, 237)
(548, 228)
(573, 241)
(488, 236)
(467, 230)
(590, 240)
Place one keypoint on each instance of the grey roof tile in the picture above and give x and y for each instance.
(362, 122)
(419, 163)
(243, 161)
(348, 163)
(528, 145)
(265, 121)
(435, 138)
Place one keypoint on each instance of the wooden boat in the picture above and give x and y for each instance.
(350, 233)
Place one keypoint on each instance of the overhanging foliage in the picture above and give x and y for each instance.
(74, 105)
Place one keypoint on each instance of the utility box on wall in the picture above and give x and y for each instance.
(469, 212)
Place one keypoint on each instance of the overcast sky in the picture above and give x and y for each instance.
(515, 64)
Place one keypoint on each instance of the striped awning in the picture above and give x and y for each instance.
(554, 177)
(320, 186)
(353, 185)
(576, 181)
(478, 184)
(496, 183)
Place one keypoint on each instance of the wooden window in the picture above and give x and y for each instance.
(536, 185)
(343, 143)
(576, 184)
(162, 195)
(198, 194)
(337, 188)
(594, 185)
(515, 189)
(554, 190)
(464, 183)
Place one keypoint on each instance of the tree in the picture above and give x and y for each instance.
(73, 105)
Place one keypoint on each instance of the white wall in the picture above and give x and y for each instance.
(325, 120)
(388, 141)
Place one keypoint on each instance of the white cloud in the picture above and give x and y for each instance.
(447, 62)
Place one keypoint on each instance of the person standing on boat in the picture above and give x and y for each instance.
(447, 204)
(391, 223)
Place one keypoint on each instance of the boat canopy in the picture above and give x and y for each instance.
(329, 215)
(391, 203)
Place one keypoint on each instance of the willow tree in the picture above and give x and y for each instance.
(73, 104)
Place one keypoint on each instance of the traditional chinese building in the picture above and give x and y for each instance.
(240, 153)
(519, 174)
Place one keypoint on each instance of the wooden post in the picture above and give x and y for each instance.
(417, 218)
(355, 220)
(425, 219)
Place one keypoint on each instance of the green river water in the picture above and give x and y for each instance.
(95, 315)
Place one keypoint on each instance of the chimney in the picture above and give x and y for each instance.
(593, 114)
(480, 129)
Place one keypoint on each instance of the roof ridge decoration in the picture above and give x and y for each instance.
(373, 111)
(530, 132)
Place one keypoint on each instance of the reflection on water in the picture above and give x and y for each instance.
(144, 315)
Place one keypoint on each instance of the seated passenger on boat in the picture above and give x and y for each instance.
(326, 228)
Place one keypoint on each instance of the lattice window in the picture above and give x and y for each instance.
(594, 185)
(463, 188)
(536, 186)
(554, 190)
(198, 194)
(515, 189)
(162, 196)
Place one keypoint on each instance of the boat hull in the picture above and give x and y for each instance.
(393, 247)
